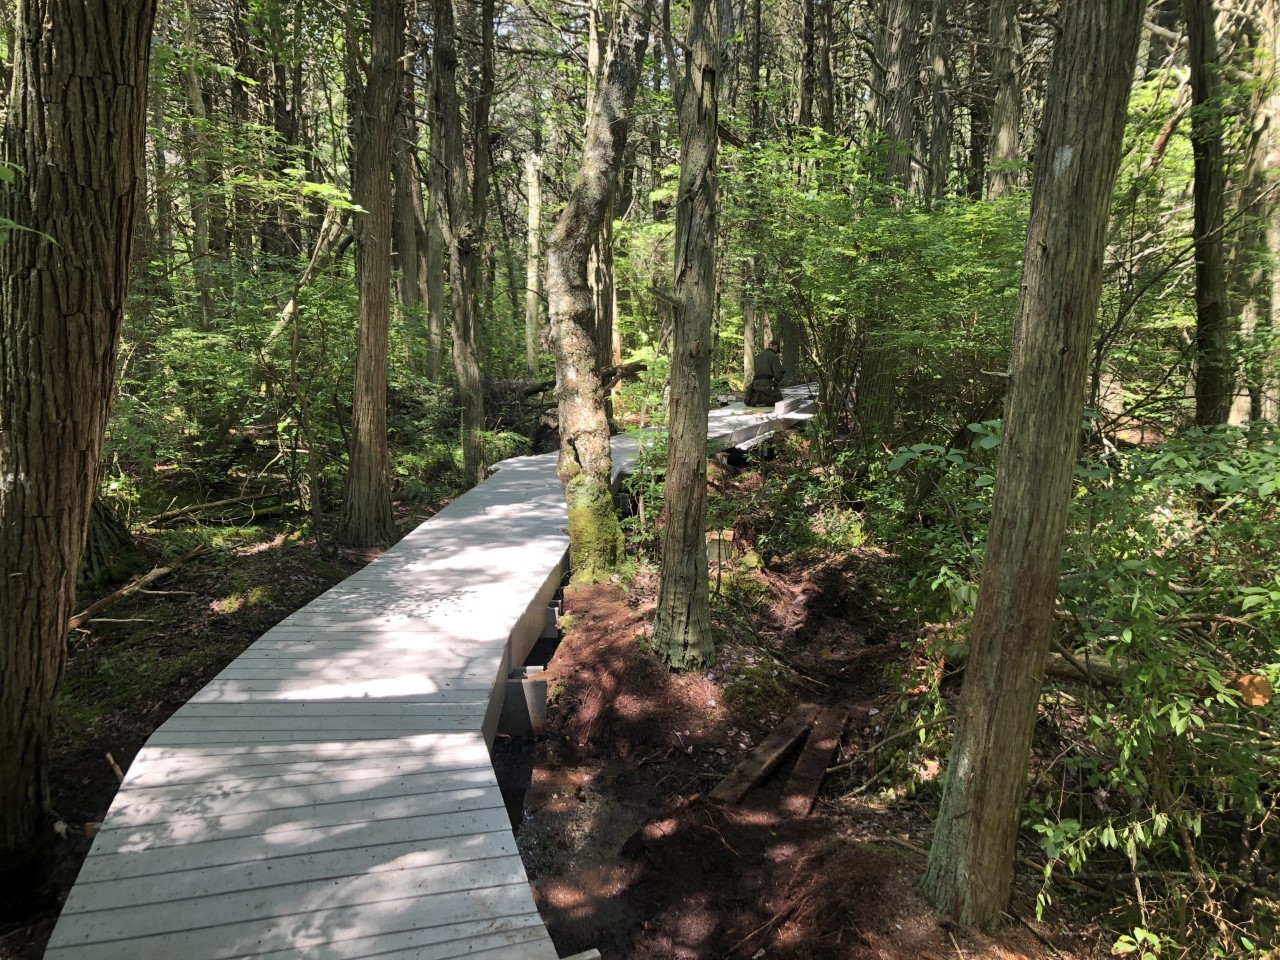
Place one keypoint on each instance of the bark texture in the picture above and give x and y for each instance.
(595, 537)
(1006, 111)
(77, 116)
(682, 631)
(532, 332)
(366, 518)
(971, 860)
(461, 240)
(1215, 370)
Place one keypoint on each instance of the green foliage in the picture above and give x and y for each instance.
(1172, 577)
(842, 255)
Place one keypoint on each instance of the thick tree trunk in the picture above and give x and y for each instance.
(892, 107)
(682, 631)
(595, 536)
(76, 123)
(971, 861)
(533, 260)
(1006, 112)
(366, 518)
(460, 239)
(1215, 370)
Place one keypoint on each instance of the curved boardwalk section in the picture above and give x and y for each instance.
(330, 794)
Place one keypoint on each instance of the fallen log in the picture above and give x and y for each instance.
(133, 587)
(213, 505)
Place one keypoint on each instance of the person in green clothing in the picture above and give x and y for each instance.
(766, 389)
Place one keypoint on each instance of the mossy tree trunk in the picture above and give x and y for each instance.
(682, 631)
(77, 115)
(970, 865)
(595, 536)
(366, 518)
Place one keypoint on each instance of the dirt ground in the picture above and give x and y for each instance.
(628, 853)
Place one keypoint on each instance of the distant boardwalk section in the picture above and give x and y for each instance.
(330, 793)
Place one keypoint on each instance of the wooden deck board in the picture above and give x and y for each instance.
(329, 794)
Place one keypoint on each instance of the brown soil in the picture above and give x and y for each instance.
(629, 855)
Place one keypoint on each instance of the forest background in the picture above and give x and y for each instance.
(874, 186)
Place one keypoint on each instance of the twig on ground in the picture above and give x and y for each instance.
(887, 740)
(770, 923)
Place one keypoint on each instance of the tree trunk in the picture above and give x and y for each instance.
(892, 115)
(532, 332)
(76, 124)
(939, 155)
(460, 239)
(1006, 54)
(366, 518)
(682, 631)
(979, 109)
(1215, 371)
(1250, 259)
(197, 162)
(410, 218)
(437, 211)
(595, 536)
(971, 860)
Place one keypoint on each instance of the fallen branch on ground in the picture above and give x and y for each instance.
(201, 507)
(144, 581)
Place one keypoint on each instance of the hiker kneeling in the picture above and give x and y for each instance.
(766, 389)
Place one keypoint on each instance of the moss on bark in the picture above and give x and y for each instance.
(595, 533)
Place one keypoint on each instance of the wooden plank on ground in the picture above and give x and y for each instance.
(801, 791)
(761, 761)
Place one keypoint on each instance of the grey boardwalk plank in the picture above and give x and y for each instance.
(329, 794)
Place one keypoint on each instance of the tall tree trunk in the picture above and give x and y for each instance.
(533, 186)
(410, 218)
(366, 518)
(1006, 111)
(823, 44)
(804, 116)
(595, 536)
(481, 154)
(1215, 371)
(437, 212)
(939, 154)
(200, 183)
(76, 124)
(682, 631)
(971, 860)
(1250, 265)
(979, 106)
(892, 113)
(460, 239)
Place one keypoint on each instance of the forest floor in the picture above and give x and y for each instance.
(625, 850)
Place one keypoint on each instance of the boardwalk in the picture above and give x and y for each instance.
(330, 794)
